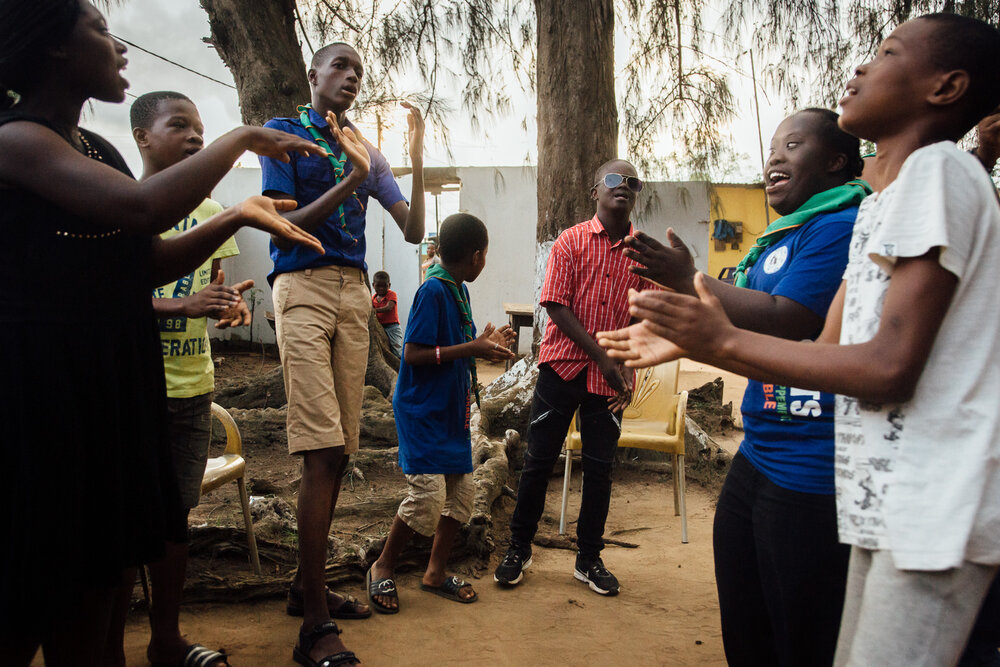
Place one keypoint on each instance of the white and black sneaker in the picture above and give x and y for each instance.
(511, 569)
(594, 574)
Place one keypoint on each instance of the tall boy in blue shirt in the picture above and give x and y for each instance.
(322, 308)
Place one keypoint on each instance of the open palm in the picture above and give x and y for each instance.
(263, 213)
(639, 345)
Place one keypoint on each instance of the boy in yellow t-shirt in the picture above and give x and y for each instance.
(167, 128)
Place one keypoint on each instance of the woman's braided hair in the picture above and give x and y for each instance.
(27, 31)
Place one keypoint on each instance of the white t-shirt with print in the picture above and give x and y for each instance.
(922, 478)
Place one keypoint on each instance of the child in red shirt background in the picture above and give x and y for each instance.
(384, 302)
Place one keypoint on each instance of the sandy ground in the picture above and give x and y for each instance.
(666, 614)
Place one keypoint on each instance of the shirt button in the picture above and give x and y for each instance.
(604, 303)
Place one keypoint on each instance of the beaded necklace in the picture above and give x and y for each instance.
(90, 151)
(336, 163)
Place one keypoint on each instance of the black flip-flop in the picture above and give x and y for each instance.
(450, 588)
(385, 587)
(197, 656)
(308, 639)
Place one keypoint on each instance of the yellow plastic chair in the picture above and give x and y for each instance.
(653, 420)
(228, 467)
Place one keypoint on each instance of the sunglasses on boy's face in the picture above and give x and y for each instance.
(612, 181)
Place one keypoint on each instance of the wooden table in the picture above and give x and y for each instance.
(519, 315)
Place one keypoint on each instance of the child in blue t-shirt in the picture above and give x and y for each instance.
(437, 378)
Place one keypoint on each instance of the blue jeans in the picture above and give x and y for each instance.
(552, 407)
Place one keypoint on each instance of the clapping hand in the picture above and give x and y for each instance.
(667, 266)
(237, 315)
(491, 344)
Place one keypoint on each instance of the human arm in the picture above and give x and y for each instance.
(564, 318)
(182, 253)
(389, 305)
(492, 345)
(672, 266)
(35, 158)
(410, 218)
(884, 369)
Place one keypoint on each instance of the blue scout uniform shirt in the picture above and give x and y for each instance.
(306, 179)
(789, 431)
(432, 401)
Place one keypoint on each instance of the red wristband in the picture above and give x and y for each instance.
(437, 352)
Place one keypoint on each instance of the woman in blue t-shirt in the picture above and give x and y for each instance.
(779, 567)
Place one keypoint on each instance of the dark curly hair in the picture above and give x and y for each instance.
(840, 141)
(27, 31)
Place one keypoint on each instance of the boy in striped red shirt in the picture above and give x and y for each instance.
(585, 291)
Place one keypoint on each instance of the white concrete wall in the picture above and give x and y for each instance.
(505, 199)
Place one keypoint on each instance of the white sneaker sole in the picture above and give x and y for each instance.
(582, 576)
(520, 576)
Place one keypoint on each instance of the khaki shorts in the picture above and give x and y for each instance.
(430, 497)
(321, 321)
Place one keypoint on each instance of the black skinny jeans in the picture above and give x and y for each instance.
(552, 407)
(780, 571)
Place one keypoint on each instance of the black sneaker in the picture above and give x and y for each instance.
(593, 573)
(511, 569)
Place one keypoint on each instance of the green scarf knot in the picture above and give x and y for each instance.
(464, 309)
(829, 201)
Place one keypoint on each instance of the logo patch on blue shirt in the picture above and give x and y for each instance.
(776, 260)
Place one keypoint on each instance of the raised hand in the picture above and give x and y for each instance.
(352, 144)
(487, 348)
(276, 144)
(504, 336)
(988, 130)
(415, 134)
(237, 315)
(668, 266)
(262, 213)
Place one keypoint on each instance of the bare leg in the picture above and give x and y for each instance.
(444, 538)
(297, 581)
(114, 646)
(321, 473)
(399, 535)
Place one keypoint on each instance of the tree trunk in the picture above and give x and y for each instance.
(257, 42)
(577, 115)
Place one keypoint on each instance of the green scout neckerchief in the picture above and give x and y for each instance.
(337, 163)
(465, 309)
(829, 201)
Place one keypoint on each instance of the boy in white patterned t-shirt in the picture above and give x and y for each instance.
(916, 367)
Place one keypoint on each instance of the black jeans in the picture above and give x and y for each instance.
(552, 407)
(780, 571)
